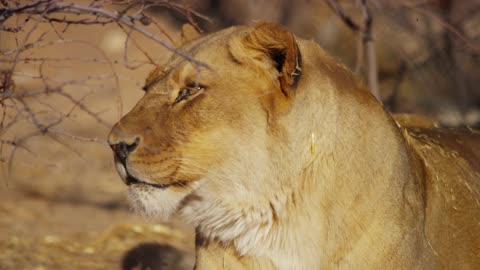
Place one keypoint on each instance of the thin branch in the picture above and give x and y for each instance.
(370, 52)
(47, 7)
(345, 18)
(85, 109)
(365, 32)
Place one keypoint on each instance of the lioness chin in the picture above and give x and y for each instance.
(281, 159)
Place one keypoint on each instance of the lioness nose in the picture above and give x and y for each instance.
(122, 143)
(122, 149)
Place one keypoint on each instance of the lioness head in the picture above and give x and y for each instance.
(199, 127)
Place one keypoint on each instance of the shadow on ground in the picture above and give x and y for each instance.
(155, 256)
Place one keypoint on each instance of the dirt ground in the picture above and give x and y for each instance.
(40, 233)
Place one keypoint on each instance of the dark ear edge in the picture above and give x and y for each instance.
(279, 46)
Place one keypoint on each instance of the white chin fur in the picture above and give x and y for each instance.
(154, 202)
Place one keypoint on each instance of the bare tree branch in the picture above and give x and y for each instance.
(365, 32)
(370, 51)
(47, 9)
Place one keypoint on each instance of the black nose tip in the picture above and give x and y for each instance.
(122, 149)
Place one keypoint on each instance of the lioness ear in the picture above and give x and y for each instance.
(276, 46)
(188, 33)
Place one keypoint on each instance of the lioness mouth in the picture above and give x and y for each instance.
(129, 180)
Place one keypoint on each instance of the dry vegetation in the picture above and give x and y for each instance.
(69, 69)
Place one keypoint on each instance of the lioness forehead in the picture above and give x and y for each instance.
(192, 48)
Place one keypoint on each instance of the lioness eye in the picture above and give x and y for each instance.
(190, 90)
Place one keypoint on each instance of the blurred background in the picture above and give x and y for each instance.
(70, 69)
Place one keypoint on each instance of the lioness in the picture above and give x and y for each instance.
(281, 159)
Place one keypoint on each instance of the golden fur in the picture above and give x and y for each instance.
(283, 160)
